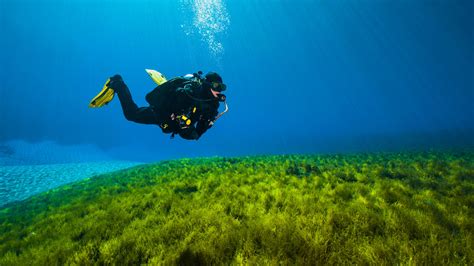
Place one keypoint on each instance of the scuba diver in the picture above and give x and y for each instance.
(187, 105)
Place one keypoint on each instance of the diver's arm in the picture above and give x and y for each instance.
(189, 133)
(205, 122)
(195, 132)
(202, 126)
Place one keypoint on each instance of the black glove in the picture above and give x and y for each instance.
(189, 133)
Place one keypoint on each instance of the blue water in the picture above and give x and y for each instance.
(302, 76)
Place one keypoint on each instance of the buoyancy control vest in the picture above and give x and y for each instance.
(178, 108)
(171, 104)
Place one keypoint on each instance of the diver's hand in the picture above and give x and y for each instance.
(189, 134)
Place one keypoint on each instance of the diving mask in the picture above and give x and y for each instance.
(218, 86)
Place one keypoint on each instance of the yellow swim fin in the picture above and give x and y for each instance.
(156, 76)
(104, 97)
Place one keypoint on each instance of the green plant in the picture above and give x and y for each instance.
(381, 208)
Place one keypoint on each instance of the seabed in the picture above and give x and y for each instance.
(375, 208)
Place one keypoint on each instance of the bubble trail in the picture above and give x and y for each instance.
(210, 20)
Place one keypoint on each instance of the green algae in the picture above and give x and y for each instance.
(384, 208)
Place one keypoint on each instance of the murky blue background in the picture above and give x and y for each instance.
(302, 76)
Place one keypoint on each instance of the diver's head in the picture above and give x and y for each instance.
(215, 82)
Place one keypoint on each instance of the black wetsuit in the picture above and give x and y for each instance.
(170, 101)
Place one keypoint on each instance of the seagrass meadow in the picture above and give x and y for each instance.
(411, 208)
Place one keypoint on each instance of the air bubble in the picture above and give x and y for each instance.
(210, 21)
